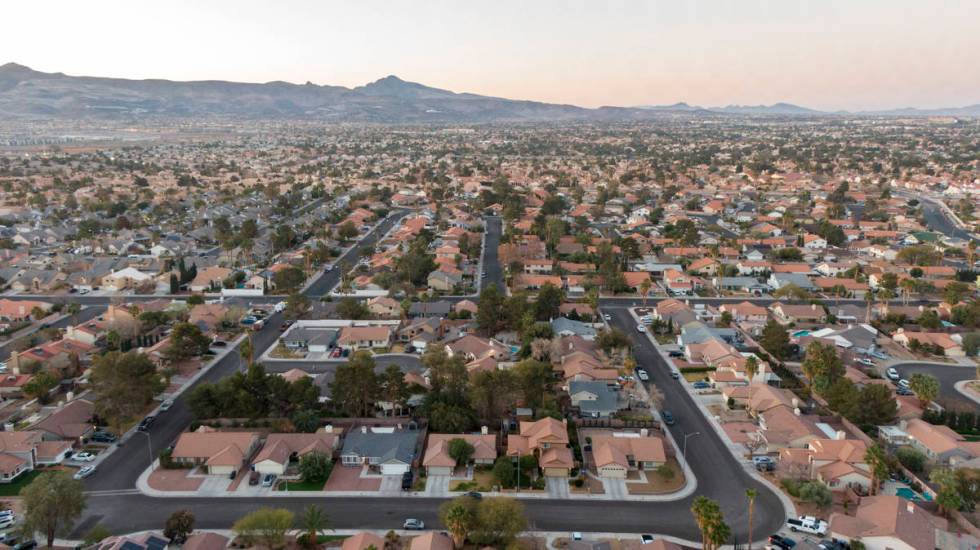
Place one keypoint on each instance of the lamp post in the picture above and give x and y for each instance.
(684, 452)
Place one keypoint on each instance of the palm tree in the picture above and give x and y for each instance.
(645, 289)
(711, 523)
(750, 494)
(971, 250)
(907, 286)
(457, 516)
(875, 457)
(869, 302)
(314, 522)
(245, 351)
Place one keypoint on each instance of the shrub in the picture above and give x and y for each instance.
(911, 458)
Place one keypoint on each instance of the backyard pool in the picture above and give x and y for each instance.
(909, 494)
(801, 333)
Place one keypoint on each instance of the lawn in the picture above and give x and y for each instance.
(482, 481)
(300, 486)
(13, 488)
(694, 376)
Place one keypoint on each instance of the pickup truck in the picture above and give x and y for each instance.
(808, 524)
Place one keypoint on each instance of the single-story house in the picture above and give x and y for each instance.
(389, 449)
(281, 448)
(220, 452)
(437, 460)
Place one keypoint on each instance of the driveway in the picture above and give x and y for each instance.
(557, 487)
(615, 488)
(391, 485)
(437, 485)
(947, 375)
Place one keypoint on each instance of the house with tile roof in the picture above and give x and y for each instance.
(888, 522)
(220, 453)
(546, 439)
(621, 452)
(280, 449)
(437, 460)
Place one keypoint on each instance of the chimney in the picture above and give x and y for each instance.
(909, 507)
(564, 421)
(363, 429)
(796, 411)
(484, 430)
(644, 432)
(813, 307)
(69, 396)
(840, 435)
(796, 403)
(328, 429)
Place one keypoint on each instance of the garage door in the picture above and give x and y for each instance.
(393, 469)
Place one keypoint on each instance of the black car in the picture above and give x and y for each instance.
(102, 437)
(782, 542)
(473, 495)
(26, 545)
(668, 418)
(407, 479)
(146, 423)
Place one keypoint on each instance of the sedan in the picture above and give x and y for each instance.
(642, 374)
(782, 542)
(83, 456)
(641, 328)
(701, 385)
(903, 383)
(84, 472)
(668, 418)
(892, 374)
(412, 524)
(646, 539)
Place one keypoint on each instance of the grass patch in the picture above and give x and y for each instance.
(13, 488)
(300, 486)
(694, 376)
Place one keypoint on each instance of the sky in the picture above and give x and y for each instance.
(823, 54)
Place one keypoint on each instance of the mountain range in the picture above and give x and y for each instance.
(29, 94)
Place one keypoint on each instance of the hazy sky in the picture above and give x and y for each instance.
(855, 54)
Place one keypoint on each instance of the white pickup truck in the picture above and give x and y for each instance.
(808, 524)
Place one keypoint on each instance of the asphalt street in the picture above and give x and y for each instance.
(491, 265)
(86, 314)
(948, 376)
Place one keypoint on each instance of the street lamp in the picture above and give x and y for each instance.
(684, 452)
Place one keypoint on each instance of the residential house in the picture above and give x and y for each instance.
(384, 307)
(947, 343)
(940, 443)
(786, 314)
(282, 448)
(437, 460)
(72, 421)
(355, 338)
(389, 450)
(888, 522)
(619, 453)
(546, 439)
(221, 453)
(594, 399)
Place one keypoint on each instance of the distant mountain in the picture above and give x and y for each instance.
(26, 93)
(29, 94)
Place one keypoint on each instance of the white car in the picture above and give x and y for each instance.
(642, 374)
(892, 374)
(412, 524)
(6, 522)
(866, 362)
(607, 317)
(84, 472)
(83, 456)
(903, 383)
(165, 406)
(641, 328)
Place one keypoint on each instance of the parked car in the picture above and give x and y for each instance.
(7, 522)
(26, 545)
(83, 456)
(84, 472)
(780, 541)
(668, 418)
(764, 463)
(254, 477)
(675, 374)
(646, 539)
(866, 362)
(903, 391)
(268, 480)
(833, 545)
(345, 352)
(473, 494)
(407, 479)
(641, 328)
(903, 383)
(642, 375)
(808, 524)
(412, 524)
(146, 423)
(103, 437)
(219, 344)
(607, 317)
(892, 374)
(675, 353)
(165, 406)
(336, 352)
(701, 385)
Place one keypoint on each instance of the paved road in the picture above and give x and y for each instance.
(491, 265)
(948, 376)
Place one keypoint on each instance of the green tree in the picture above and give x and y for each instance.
(96, 535)
(355, 385)
(534, 379)
(925, 386)
(843, 397)
(461, 451)
(52, 503)
(306, 420)
(347, 231)
(40, 385)
(817, 493)
(498, 522)
(459, 517)
(393, 388)
(349, 308)
(750, 495)
(187, 340)
(822, 366)
(265, 526)
(948, 496)
(314, 467)
(503, 472)
(314, 522)
(490, 310)
(548, 302)
(775, 339)
(911, 458)
(297, 305)
(289, 279)
(878, 462)
(179, 525)
(877, 406)
(123, 384)
(711, 523)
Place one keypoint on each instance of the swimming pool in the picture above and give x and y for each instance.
(909, 494)
(801, 333)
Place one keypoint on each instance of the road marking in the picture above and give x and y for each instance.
(112, 492)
